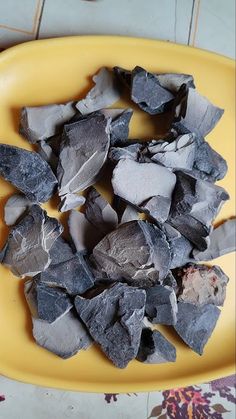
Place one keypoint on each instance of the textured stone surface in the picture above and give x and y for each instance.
(99, 212)
(38, 123)
(83, 153)
(157, 207)
(72, 275)
(46, 152)
(29, 243)
(201, 116)
(28, 172)
(222, 241)
(147, 92)
(196, 323)
(84, 235)
(202, 284)
(105, 92)
(15, 207)
(155, 348)
(136, 251)
(161, 305)
(70, 201)
(173, 81)
(136, 182)
(195, 205)
(117, 332)
(129, 151)
(119, 127)
(180, 247)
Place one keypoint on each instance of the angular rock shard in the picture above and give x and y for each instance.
(73, 275)
(208, 164)
(99, 212)
(201, 116)
(117, 332)
(15, 207)
(70, 201)
(180, 153)
(29, 243)
(85, 236)
(147, 92)
(47, 153)
(105, 92)
(173, 81)
(52, 303)
(83, 153)
(119, 127)
(28, 172)
(136, 182)
(157, 208)
(136, 252)
(161, 305)
(60, 251)
(38, 123)
(130, 151)
(124, 76)
(180, 247)
(222, 241)
(171, 282)
(202, 284)
(129, 214)
(155, 348)
(196, 323)
(64, 337)
(195, 205)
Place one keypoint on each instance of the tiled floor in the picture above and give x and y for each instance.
(208, 24)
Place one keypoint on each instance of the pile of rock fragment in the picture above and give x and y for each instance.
(131, 264)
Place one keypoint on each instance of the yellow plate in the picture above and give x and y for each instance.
(58, 70)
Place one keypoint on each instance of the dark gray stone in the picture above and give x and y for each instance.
(180, 247)
(171, 282)
(196, 323)
(28, 172)
(202, 284)
(73, 275)
(195, 204)
(29, 243)
(114, 320)
(161, 305)
(155, 348)
(60, 251)
(157, 208)
(120, 127)
(52, 303)
(136, 251)
(99, 212)
(147, 92)
(83, 153)
(208, 164)
(131, 151)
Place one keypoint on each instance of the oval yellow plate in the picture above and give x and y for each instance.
(58, 70)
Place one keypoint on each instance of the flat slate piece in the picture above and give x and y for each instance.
(161, 305)
(14, 208)
(83, 153)
(136, 251)
(99, 212)
(196, 323)
(84, 234)
(28, 172)
(155, 348)
(180, 247)
(118, 332)
(202, 284)
(52, 303)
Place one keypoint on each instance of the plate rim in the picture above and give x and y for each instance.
(96, 386)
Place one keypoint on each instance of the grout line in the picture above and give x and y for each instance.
(32, 32)
(191, 22)
(39, 20)
(196, 22)
(10, 28)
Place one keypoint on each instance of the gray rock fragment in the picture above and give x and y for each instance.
(222, 241)
(47, 153)
(201, 284)
(28, 172)
(29, 242)
(119, 127)
(195, 204)
(180, 153)
(83, 153)
(173, 81)
(157, 207)
(73, 275)
(171, 282)
(84, 234)
(161, 305)
(114, 320)
(147, 92)
(155, 348)
(136, 251)
(129, 214)
(180, 247)
(38, 123)
(130, 151)
(105, 92)
(196, 323)
(136, 182)
(70, 201)
(124, 76)
(201, 116)
(15, 207)
(60, 251)
(99, 212)
(208, 164)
